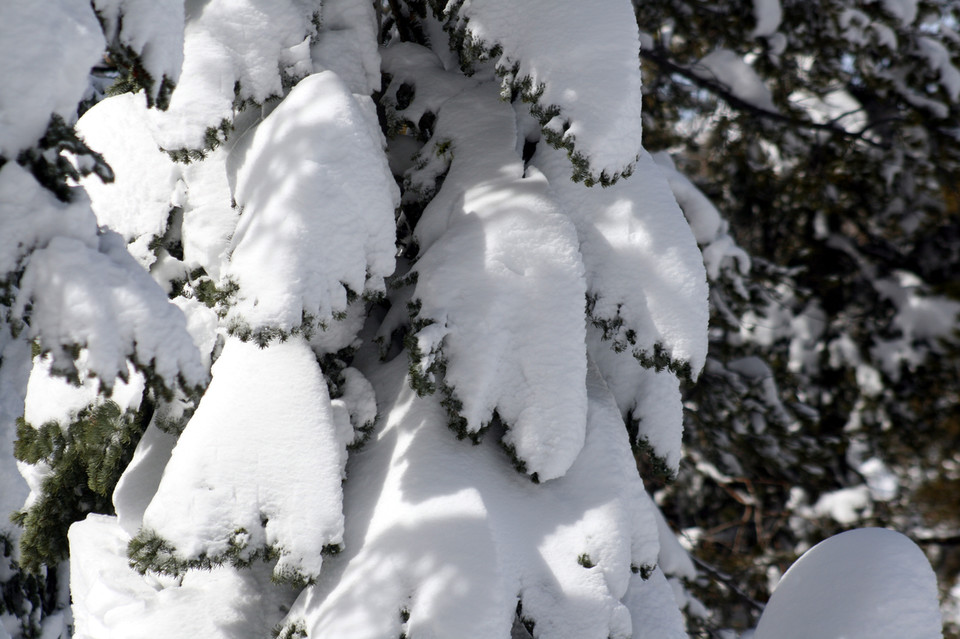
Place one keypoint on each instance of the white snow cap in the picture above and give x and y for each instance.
(475, 534)
(868, 583)
(274, 480)
(233, 44)
(49, 48)
(727, 68)
(318, 208)
(552, 42)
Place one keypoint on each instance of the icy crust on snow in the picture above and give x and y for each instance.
(51, 47)
(137, 204)
(645, 275)
(442, 540)
(868, 583)
(112, 601)
(233, 51)
(312, 164)
(102, 301)
(151, 28)
(259, 491)
(498, 257)
(543, 46)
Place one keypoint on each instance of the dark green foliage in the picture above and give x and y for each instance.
(295, 630)
(86, 459)
(584, 560)
(52, 169)
(25, 595)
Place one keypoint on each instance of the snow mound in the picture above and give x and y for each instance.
(262, 410)
(137, 204)
(153, 29)
(868, 583)
(498, 304)
(54, 45)
(543, 47)
(234, 51)
(112, 601)
(645, 276)
(102, 301)
(442, 540)
(318, 205)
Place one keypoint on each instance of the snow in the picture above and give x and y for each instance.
(208, 218)
(14, 374)
(233, 50)
(939, 59)
(263, 409)
(768, 14)
(111, 601)
(727, 68)
(314, 162)
(642, 263)
(348, 44)
(452, 534)
(152, 28)
(904, 10)
(868, 583)
(500, 268)
(551, 43)
(58, 41)
(104, 302)
(137, 203)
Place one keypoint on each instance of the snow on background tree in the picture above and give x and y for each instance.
(826, 134)
(252, 312)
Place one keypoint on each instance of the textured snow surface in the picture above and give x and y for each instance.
(54, 44)
(247, 45)
(318, 201)
(209, 220)
(103, 301)
(868, 583)
(348, 44)
(137, 203)
(553, 42)
(642, 263)
(48, 218)
(111, 601)
(653, 608)
(275, 478)
(451, 534)
(152, 28)
(727, 68)
(502, 281)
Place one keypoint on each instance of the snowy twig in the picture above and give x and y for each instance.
(660, 58)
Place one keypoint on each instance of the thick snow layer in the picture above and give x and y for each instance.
(140, 480)
(551, 42)
(501, 280)
(275, 478)
(103, 301)
(450, 535)
(111, 601)
(869, 583)
(314, 163)
(654, 609)
(233, 50)
(49, 48)
(727, 68)
(904, 10)
(938, 59)
(768, 14)
(151, 28)
(137, 203)
(647, 397)
(643, 267)
(348, 44)
(48, 218)
(209, 220)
